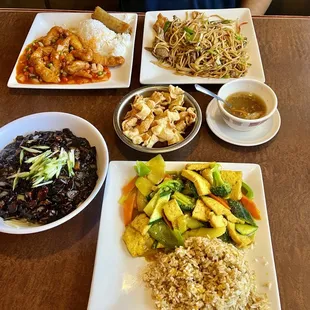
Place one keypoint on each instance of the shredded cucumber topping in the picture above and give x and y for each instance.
(45, 166)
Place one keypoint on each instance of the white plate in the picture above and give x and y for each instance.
(152, 74)
(116, 284)
(43, 22)
(257, 136)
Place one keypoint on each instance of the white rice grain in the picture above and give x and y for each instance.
(103, 40)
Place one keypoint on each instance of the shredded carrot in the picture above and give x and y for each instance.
(220, 200)
(129, 186)
(128, 206)
(251, 207)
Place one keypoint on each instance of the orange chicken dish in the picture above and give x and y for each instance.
(60, 57)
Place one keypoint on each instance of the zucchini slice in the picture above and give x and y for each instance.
(245, 229)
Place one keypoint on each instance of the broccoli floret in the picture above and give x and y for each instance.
(219, 187)
(171, 186)
(186, 203)
(190, 189)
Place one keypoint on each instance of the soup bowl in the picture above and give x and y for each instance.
(250, 86)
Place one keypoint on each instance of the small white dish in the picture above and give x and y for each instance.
(117, 277)
(152, 74)
(260, 135)
(52, 121)
(250, 86)
(43, 22)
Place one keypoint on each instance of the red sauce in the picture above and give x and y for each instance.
(26, 74)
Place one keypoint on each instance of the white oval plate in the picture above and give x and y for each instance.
(257, 136)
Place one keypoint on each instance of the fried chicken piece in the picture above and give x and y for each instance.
(41, 51)
(69, 58)
(49, 75)
(76, 66)
(108, 61)
(71, 40)
(83, 54)
(160, 22)
(83, 73)
(53, 35)
(75, 41)
(56, 64)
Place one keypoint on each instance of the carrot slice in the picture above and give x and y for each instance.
(251, 207)
(129, 186)
(128, 206)
(167, 177)
(220, 200)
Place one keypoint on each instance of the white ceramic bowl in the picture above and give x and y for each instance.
(252, 86)
(56, 121)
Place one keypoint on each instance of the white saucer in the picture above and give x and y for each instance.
(257, 136)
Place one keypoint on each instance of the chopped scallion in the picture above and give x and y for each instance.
(15, 180)
(41, 147)
(42, 184)
(28, 149)
(21, 157)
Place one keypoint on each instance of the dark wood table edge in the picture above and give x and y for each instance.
(26, 10)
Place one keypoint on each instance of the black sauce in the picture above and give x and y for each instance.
(48, 203)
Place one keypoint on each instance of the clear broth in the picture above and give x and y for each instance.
(246, 105)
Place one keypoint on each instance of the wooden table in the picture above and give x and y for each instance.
(53, 269)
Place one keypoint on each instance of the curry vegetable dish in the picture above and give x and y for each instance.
(210, 47)
(162, 209)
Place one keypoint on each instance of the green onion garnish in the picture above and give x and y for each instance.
(30, 150)
(44, 167)
(21, 157)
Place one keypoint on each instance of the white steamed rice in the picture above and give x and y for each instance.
(103, 40)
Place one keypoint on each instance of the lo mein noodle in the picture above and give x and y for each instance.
(201, 46)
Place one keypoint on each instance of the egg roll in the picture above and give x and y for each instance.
(110, 21)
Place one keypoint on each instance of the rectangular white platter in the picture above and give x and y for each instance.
(116, 283)
(43, 22)
(152, 74)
